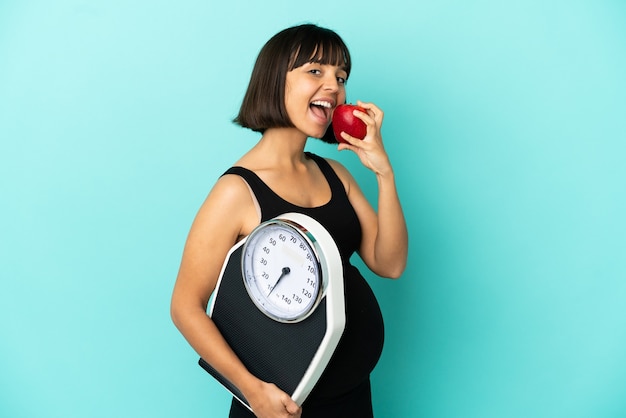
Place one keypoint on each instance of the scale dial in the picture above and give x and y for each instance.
(282, 271)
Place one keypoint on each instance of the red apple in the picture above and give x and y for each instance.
(344, 120)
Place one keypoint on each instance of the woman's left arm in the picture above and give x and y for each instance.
(384, 245)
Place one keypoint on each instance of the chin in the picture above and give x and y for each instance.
(328, 136)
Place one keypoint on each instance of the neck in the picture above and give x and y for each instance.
(285, 145)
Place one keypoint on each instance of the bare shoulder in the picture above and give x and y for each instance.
(229, 206)
(230, 189)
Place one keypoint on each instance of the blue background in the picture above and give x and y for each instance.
(506, 125)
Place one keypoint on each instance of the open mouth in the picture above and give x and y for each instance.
(322, 109)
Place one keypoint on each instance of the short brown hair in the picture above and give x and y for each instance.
(263, 105)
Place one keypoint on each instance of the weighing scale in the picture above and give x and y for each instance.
(279, 303)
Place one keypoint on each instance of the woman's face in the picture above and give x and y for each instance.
(312, 92)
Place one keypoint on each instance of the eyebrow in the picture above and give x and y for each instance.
(341, 67)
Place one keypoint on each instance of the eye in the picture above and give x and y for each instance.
(315, 71)
(341, 80)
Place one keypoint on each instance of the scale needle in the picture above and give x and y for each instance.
(283, 273)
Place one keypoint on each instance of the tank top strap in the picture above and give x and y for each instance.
(336, 185)
(345, 229)
(264, 195)
(248, 175)
(272, 204)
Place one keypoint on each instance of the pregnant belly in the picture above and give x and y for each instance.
(361, 344)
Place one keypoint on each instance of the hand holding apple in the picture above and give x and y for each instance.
(344, 120)
(371, 153)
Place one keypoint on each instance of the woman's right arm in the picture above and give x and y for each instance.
(227, 214)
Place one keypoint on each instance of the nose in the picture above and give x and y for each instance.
(331, 83)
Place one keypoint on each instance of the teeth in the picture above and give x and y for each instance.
(321, 103)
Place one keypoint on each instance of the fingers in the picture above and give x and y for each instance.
(373, 111)
(273, 402)
(292, 408)
(373, 118)
(370, 149)
(372, 142)
(351, 140)
(351, 143)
